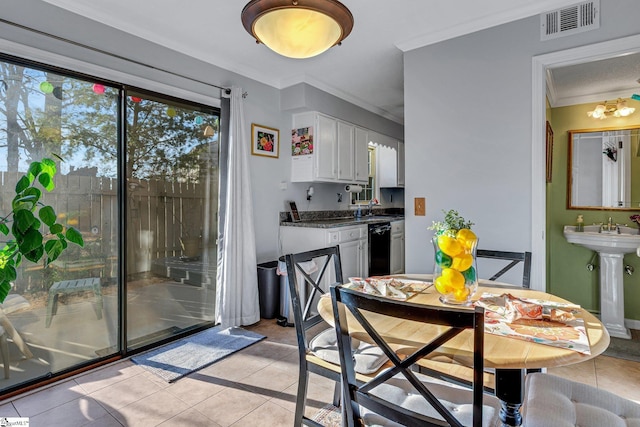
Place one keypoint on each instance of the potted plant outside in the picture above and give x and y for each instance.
(24, 222)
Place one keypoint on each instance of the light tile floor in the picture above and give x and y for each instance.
(254, 387)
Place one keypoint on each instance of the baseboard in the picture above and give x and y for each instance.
(632, 323)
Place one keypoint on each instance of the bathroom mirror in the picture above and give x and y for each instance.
(604, 169)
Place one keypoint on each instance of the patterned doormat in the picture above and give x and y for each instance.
(329, 416)
(177, 359)
(625, 349)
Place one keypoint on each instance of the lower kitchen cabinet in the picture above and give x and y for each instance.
(353, 242)
(397, 247)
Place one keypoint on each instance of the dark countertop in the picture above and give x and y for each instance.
(342, 222)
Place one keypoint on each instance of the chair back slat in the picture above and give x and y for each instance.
(515, 258)
(369, 313)
(327, 261)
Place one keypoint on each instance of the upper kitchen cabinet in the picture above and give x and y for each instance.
(345, 157)
(400, 163)
(389, 160)
(332, 150)
(361, 154)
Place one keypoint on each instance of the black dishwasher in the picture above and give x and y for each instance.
(379, 249)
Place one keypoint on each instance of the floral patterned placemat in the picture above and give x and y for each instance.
(400, 289)
(542, 322)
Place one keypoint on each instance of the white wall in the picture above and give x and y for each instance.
(468, 128)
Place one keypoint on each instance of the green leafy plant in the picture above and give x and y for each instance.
(23, 224)
(452, 223)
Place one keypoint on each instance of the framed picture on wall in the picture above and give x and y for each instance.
(265, 141)
(549, 146)
(302, 141)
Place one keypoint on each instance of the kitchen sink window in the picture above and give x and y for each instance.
(369, 189)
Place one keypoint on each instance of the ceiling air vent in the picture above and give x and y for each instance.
(569, 20)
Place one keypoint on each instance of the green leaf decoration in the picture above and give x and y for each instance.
(46, 181)
(48, 216)
(22, 184)
(452, 223)
(23, 220)
(74, 236)
(10, 273)
(26, 202)
(53, 248)
(32, 241)
(35, 255)
(31, 194)
(5, 287)
(56, 228)
(34, 170)
(49, 166)
(22, 226)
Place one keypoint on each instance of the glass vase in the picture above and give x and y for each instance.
(455, 272)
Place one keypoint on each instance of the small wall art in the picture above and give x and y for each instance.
(302, 141)
(549, 151)
(265, 141)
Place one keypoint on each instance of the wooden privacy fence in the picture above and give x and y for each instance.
(159, 214)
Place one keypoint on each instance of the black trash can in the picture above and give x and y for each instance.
(268, 289)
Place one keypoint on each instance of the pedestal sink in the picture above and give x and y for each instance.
(611, 246)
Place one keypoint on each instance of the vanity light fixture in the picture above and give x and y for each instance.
(297, 28)
(616, 109)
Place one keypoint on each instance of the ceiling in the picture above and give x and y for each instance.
(366, 70)
(596, 81)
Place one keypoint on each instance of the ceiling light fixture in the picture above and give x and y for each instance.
(616, 109)
(297, 28)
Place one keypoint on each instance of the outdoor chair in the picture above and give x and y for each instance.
(399, 395)
(12, 303)
(559, 402)
(309, 275)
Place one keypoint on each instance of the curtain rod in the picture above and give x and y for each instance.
(113, 55)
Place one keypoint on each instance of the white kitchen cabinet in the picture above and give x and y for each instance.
(353, 242)
(345, 151)
(397, 247)
(387, 162)
(324, 146)
(335, 157)
(400, 164)
(361, 155)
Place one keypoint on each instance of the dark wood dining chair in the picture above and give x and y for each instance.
(400, 395)
(309, 275)
(443, 367)
(514, 258)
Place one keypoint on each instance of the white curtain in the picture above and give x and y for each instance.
(237, 278)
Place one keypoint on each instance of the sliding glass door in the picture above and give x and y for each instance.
(172, 201)
(138, 177)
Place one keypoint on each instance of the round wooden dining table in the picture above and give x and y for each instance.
(510, 357)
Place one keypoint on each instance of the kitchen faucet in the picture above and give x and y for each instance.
(370, 204)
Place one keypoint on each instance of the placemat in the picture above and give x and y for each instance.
(542, 322)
